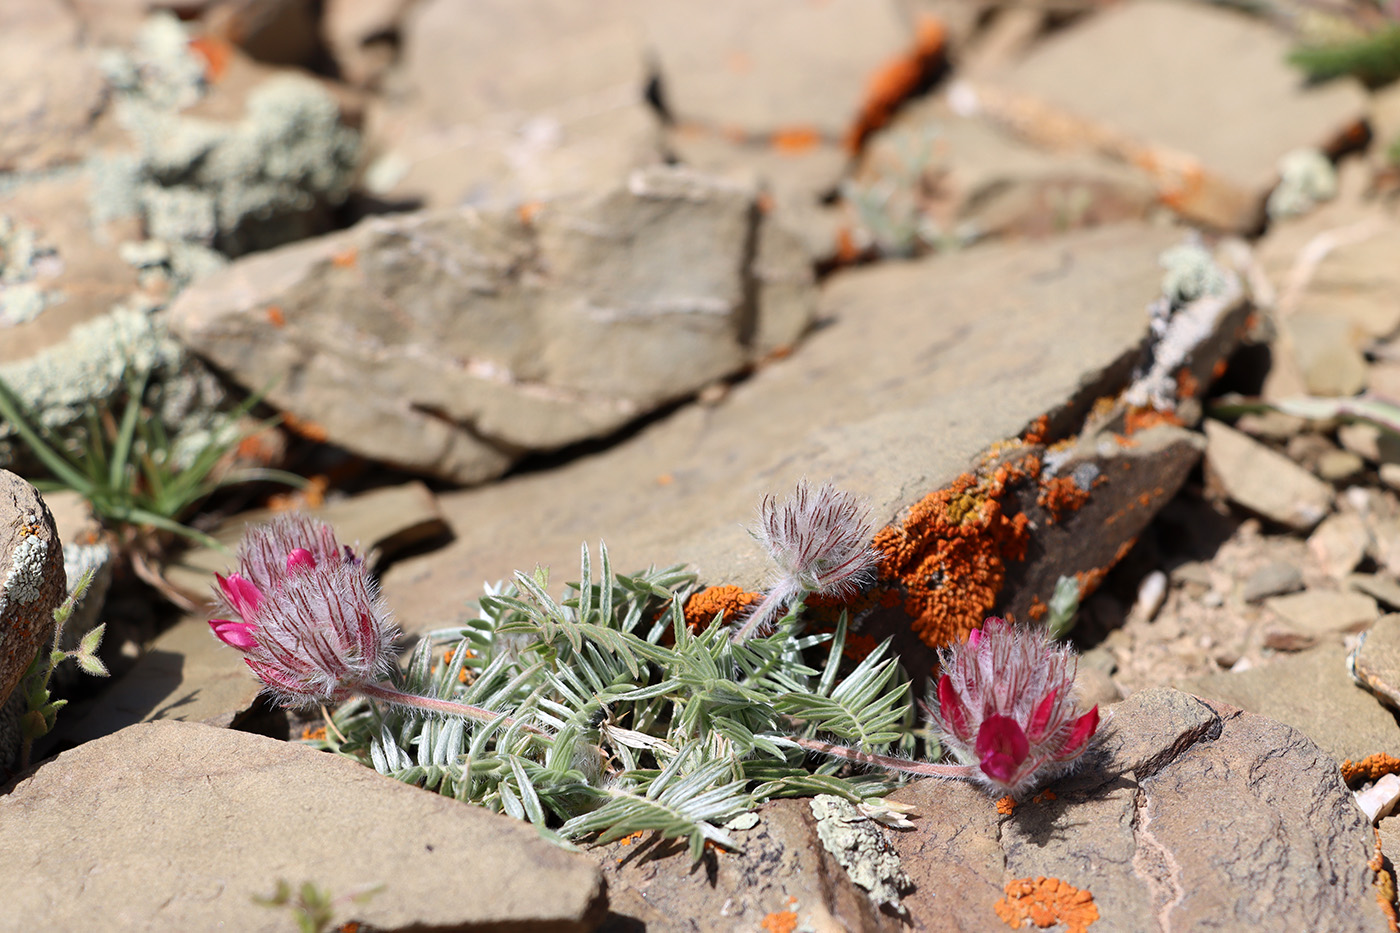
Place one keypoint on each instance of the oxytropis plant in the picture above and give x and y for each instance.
(605, 713)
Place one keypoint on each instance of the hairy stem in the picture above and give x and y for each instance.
(763, 614)
(388, 694)
(886, 761)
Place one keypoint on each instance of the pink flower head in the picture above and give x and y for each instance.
(310, 622)
(1006, 702)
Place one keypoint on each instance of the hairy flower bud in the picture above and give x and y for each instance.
(1007, 707)
(310, 621)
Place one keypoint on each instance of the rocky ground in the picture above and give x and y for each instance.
(1074, 308)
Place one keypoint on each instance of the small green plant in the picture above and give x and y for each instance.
(41, 709)
(1373, 57)
(127, 466)
(312, 907)
(645, 725)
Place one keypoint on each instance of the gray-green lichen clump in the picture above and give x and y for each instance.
(233, 186)
(860, 846)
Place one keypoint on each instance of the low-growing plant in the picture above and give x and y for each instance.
(41, 709)
(126, 464)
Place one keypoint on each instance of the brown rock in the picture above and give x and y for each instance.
(183, 826)
(32, 584)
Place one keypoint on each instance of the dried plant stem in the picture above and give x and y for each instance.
(380, 691)
(886, 761)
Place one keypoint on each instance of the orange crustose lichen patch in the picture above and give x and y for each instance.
(780, 921)
(317, 733)
(1046, 902)
(1060, 495)
(1140, 419)
(949, 556)
(1006, 805)
(1038, 431)
(1370, 768)
(216, 54)
(346, 258)
(1187, 385)
(305, 428)
(704, 605)
(894, 81)
(275, 317)
(1385, 885)
(795, 140)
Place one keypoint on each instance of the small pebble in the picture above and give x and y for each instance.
(1390, 474)
(1152, 592)
(1379, 799)
(1273, 579)
(1337, 465)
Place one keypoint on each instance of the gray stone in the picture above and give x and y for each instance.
(953, 379)
(1340, 543)
(185, 825)
(1223, 146)
(1273, 579)
(518, 103)
(486, 337)
(1376, 661)
(1324, 612)
(1312, 692)
(783, 868)
(1165, 827)
(54, 89)
(1325, 346)
(757, 69)
(1383, 589)
(1263, 481)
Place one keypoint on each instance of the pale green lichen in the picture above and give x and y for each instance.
(1191, 273)
(1306, 178)
(859, 844)
(231, 186)
(24, 263)
(25, 581)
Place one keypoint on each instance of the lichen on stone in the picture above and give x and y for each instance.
(1306, 178)
(859, 844)
(25, 262)
(25, 581)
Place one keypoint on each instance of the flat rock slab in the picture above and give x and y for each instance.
(1324, 612)
(1265, 481)
(1188, 813)
(1376, 661)
(456, 342)
(183, 825)
(918, 369)
(1236, 105)
(1312, 692)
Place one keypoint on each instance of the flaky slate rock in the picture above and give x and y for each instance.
(1192, 816)
(453, 343)
(179, 826)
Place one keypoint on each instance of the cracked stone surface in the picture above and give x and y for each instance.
(455, 342)
(210, 818)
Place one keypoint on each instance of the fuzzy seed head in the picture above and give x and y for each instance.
(310, 622)
(1007, 706)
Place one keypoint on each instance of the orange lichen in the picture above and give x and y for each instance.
(1385, 885)
(313, 734)
(1219, 369)
(703, 605)
(1044, 796)
(1371, 768)
(630, 838)
(1006, 805)
(346, 258)
(1187, 385)
(1038, 431)
(1046, 902)
(528, 211)
(305, 428)
(779, 921)
(1140, 419)
(894, 81)
(275, 317)
(312, 496)
(1038, 610)
(665, 479)
(216, 54)
(950, 554)
(795, 140)
(1060, 495)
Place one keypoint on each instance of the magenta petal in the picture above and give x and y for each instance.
(1000, 767)
(1084, 728)
(241, 594)
(238, 634)
(951, 709)
(973, 637)
(1041, 717)
(1002, 736)
(300, 558)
